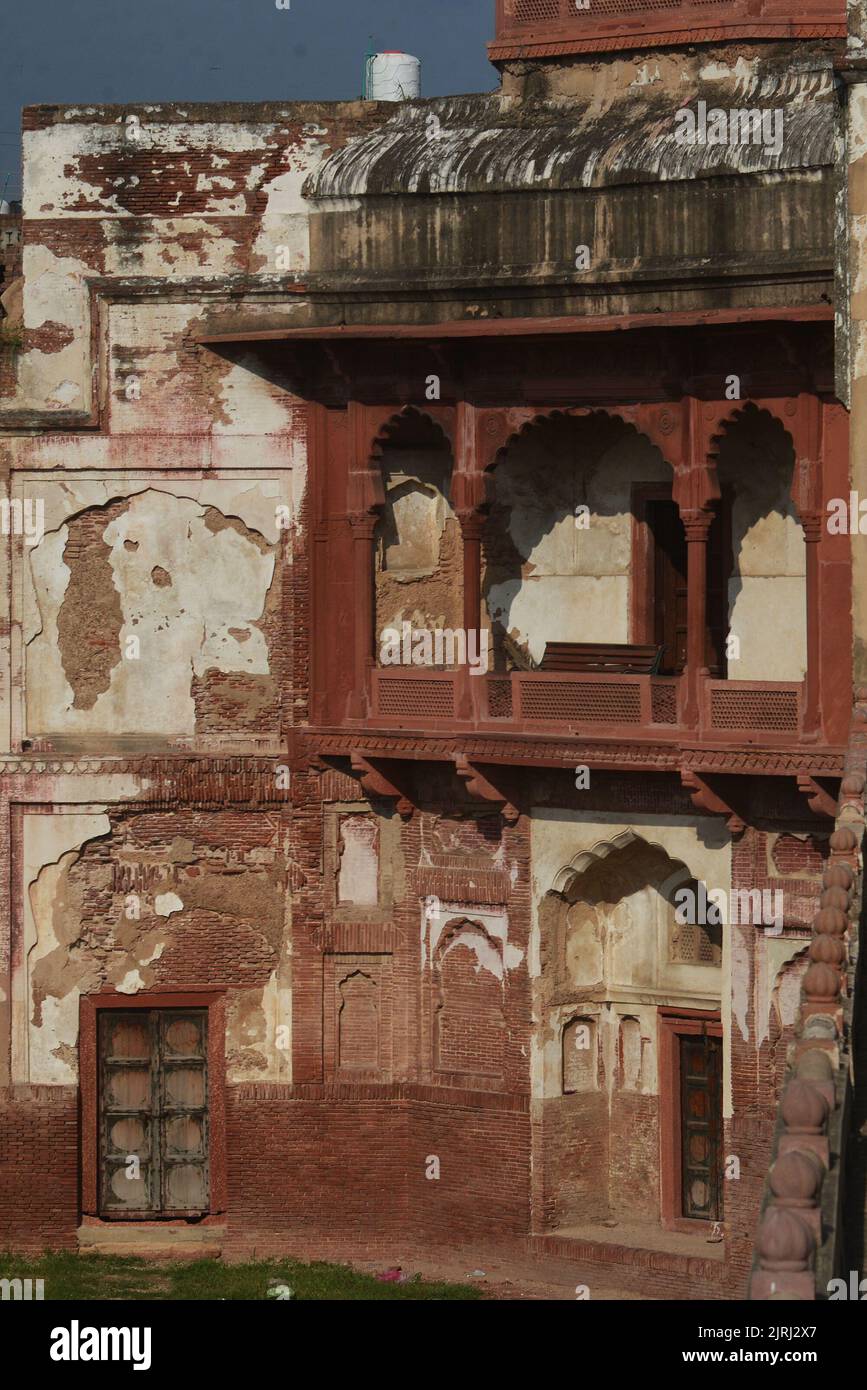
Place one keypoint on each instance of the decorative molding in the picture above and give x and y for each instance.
(566, 752)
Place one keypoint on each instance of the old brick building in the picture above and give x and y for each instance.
(345, 952)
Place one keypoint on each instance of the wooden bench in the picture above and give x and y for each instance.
(601, 657)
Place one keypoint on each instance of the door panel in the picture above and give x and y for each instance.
(153, 1116)
(700, 1120)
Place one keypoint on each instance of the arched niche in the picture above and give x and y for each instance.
(610, 920)
(580, 1055)
(418, 557)
(468, 1007)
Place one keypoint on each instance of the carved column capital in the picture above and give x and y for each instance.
(472, 524)
(363, 524)
(696, 522)
(812, 523)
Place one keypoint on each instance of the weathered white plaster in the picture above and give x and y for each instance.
(50, 844)
(217, 581)
(620, 958)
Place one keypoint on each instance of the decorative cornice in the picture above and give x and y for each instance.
(567, 752)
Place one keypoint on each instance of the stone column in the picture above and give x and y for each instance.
(812, 524)
(472, 524)
(697, 522)
(363, 528)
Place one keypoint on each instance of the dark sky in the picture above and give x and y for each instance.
(224, 50)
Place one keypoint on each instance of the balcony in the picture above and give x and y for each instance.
(542, 28)
(560, 539)
(604, 706)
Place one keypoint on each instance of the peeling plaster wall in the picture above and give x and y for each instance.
(177, 568)
(174, 195)
(129, 902)
(419, 569)
(47, 982)
(135, 247)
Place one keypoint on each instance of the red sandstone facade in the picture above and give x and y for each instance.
(381, 919)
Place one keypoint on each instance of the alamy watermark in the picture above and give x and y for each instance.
(22, 1290)
(424, 646)
(23, 518)
(739, 126)
(696, 904)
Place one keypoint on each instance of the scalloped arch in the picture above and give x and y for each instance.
(565, 878)
(577, 412)
(387, 429)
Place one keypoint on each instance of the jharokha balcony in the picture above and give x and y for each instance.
(644, 574)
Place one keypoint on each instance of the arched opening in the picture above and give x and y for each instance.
(766, 587)
(625, 970)
(418, 573)
(585, 545)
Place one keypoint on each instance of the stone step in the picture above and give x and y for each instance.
(157, 1240)
(155, 1252)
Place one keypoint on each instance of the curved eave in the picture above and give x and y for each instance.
(482, 149)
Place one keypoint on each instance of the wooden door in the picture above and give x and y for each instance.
(153, 1113)
(701, 1126)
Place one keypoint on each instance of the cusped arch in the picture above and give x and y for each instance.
(567, 877)
(805, 486)
(550, 472)
(537, 419)
(389, 428)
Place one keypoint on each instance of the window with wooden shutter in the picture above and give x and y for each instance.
(153, 1113)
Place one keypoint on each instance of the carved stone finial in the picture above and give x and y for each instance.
(838, 876)
(828, 950)
(785, 1242)
(831, 922)
(834, 897)
(803, 1108)
(814, 1065)
(843, 841)
(796, 1177)
(821, 983)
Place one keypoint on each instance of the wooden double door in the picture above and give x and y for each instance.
(153, 1113)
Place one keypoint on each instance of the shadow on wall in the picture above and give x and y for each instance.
(558, 561)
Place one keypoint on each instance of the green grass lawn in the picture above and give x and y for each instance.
(69, 1277)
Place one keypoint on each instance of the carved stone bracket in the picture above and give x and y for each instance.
(376, 785)
(482, 789)
(704, 798)
(819, 799)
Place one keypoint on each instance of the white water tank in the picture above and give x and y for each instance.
(393, 77)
